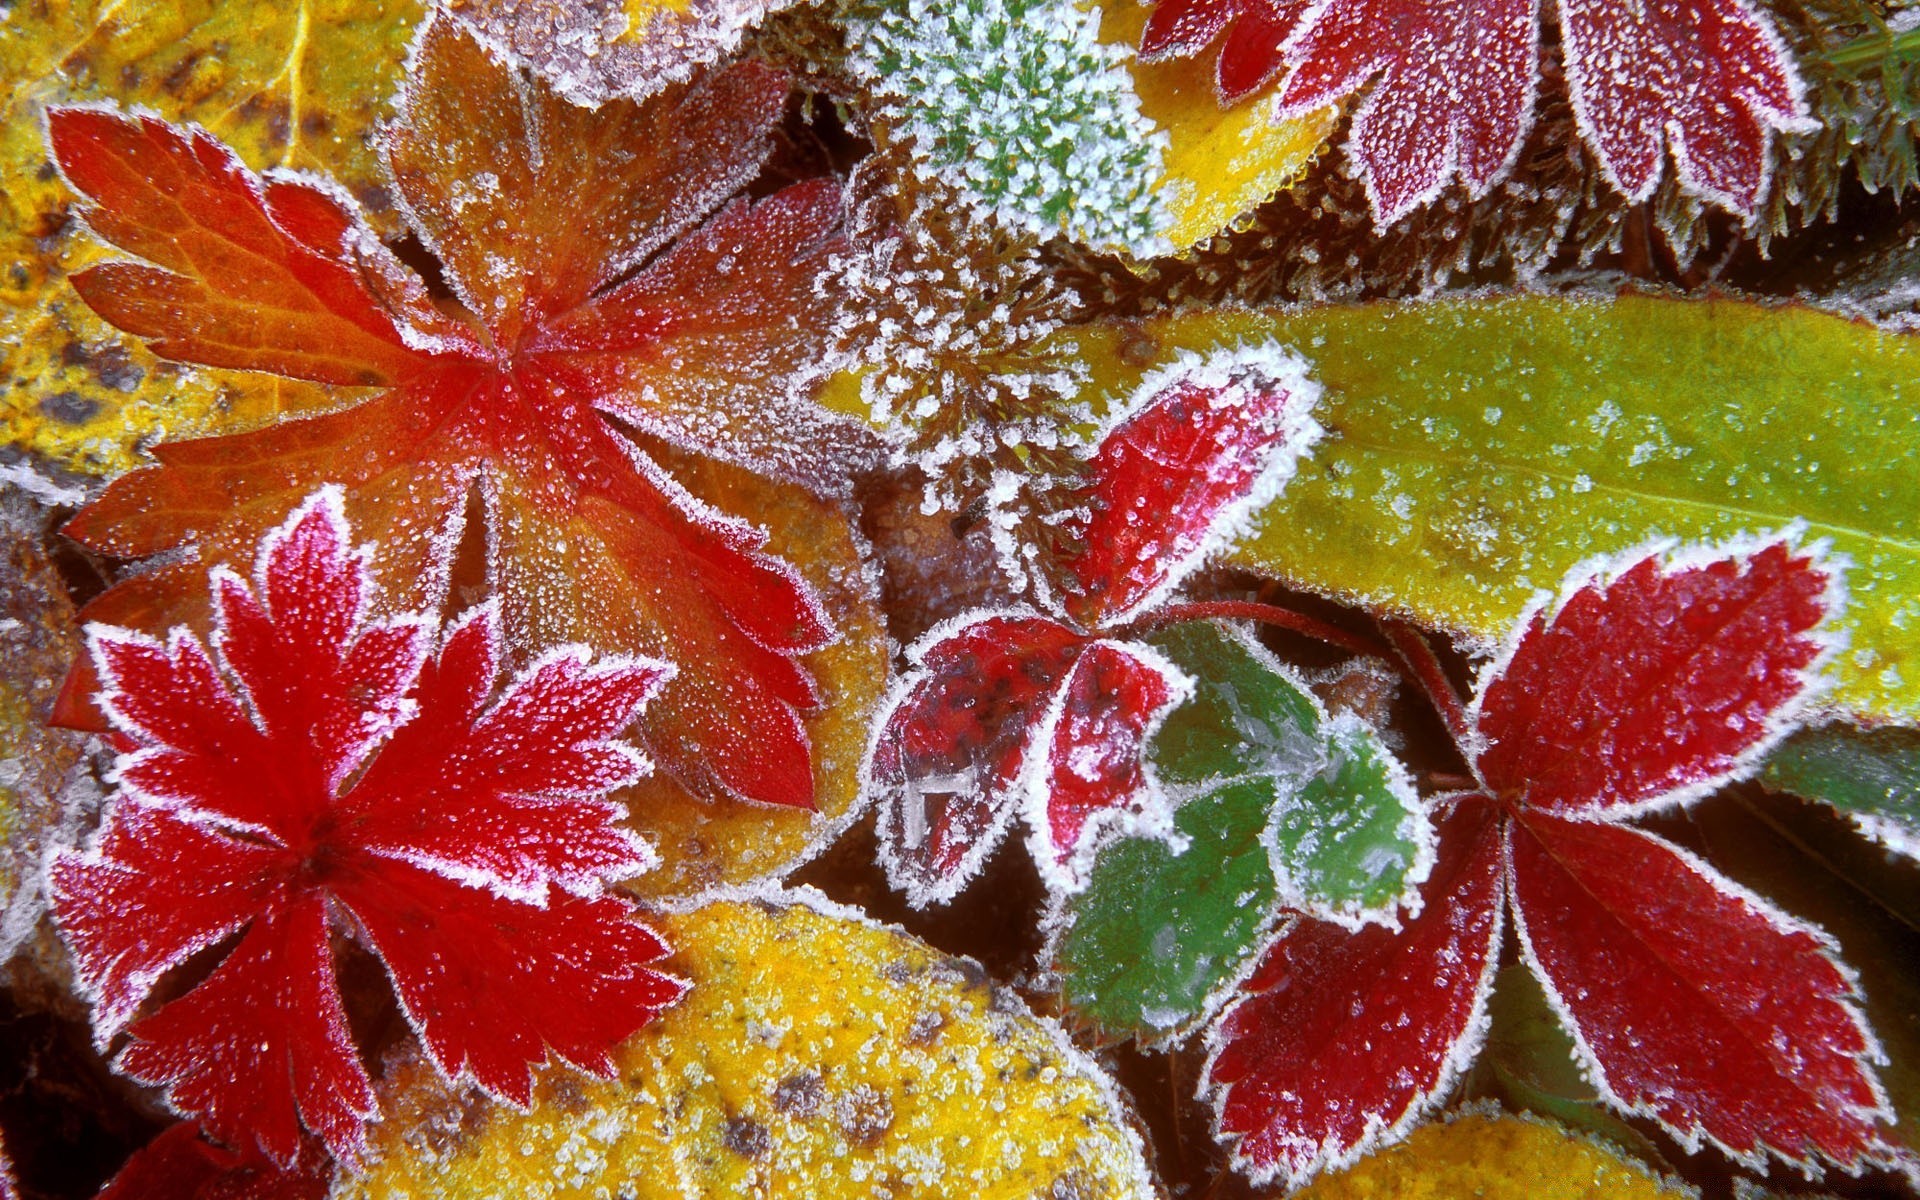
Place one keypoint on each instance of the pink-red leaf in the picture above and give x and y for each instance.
(1342, 1037)
(1114, 699)
(1453, 89)
(1696, 1003)
(1656, 685)
(1249, 57)
(1205, 441)
(953, 745)
(1709, 77)
(470, 850)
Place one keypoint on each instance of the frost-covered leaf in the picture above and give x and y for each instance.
(1608, 705)
(320, 772)
(287, 85)
(1023, 110)
(1488, 446)
(1203, 442)
(818, 1056)
(539, 211)
(1278, 806)
(1872, 775)
(1250, 55)
(1711, 78)
(1220, 163)
(42, 770)
(1693, 1002)
(592, 51)
(1496, 1157)
(1453, 85)
(180, 1164)
(1344, 1038)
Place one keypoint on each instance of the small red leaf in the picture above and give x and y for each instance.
(1206, 441)
(180, 1164)
(472, 850)
(1344, 1037)
(1655, 686)
(1453, 91)
(1697, 1004)
(954, 742)
(1114, 699)
(1711, 76)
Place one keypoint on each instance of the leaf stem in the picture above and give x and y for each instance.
(1883, 44)
(1425, 665)
(1266, 614)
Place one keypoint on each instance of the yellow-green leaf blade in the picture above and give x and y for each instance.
(1481, 448)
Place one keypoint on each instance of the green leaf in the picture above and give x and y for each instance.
(1279, 806)
(1872, 775)
(1482, 448)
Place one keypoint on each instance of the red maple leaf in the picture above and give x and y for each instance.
(1692, 1001)
(1050, 710)
(322, 775)
(1453, 83)
(587, 290)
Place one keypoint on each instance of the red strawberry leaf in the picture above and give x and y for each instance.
(592, 290)
(181, 1164)
(1655, 686)
(1709, 77)
(1453, 89)
(1095, 778)
(1695, 1002)
(1203, 443)
(1343, 1038)
(321, 772)
(948, 760)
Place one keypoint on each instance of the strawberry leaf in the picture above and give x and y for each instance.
(599, 275)
(1711, 77)
(1871, 775)
(1453, 90)
(1203, 442)
(320, 773)
(1696, 1003)
(951, 750)
(1656, 686)
(1344, 1037)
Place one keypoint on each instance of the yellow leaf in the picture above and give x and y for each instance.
(1494, 1157)
(296, 85)
(819, 1056)
(703, 844)
(1222, 163)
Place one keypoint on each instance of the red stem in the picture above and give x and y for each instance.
(1425, 665)
(1266, 614)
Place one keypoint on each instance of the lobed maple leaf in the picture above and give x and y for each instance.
(1692, 1001)
(600, 274)
(180, 1164)
(1452, 84)
(1047, 712)
(318, 773)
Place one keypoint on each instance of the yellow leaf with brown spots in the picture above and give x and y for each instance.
(1221, 163)
(289, 83)
(819, 1056)
(1495, 1157)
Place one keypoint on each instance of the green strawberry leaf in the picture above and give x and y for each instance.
(1279, 807)
(1872, 775)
